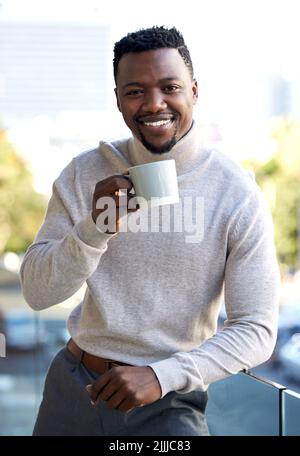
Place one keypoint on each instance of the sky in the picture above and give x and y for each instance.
(265, 32)
(237, 46)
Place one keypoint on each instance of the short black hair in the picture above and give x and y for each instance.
(149, 39)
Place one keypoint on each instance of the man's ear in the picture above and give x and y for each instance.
(117, 98)
(195, 90)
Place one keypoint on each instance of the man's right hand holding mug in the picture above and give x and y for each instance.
(108, 198)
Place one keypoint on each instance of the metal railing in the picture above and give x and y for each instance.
(247, 405)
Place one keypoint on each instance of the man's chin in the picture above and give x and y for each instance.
(159, 149)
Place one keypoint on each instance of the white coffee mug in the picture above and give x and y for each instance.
(155, 182)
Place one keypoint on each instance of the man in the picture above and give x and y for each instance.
(144, 346)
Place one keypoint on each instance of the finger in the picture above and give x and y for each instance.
(132, 203)
(112, 178)
(108, 391)
(116, 400)
(115, 183)
(95, 388)
(126, 405)
(113, 200)
(119, 199)
(89, 390)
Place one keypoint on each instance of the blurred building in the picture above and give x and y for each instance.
(56, 87)
(280, 102)
(46, 68)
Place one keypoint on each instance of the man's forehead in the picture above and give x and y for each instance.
(166, 61)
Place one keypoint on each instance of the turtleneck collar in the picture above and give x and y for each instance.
(186, 152)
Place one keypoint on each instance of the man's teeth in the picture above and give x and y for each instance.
(159, 123)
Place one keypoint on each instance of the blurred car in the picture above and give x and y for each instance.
(22, 330)
(289, 357)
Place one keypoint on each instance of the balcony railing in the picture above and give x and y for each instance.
(247, 405)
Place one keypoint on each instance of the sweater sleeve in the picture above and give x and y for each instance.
(251, 285)
(65, 252)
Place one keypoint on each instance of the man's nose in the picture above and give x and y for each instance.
(154, 102)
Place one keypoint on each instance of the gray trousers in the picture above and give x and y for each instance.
(66, 409)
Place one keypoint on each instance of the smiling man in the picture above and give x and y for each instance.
(156, 93)
(144, 343)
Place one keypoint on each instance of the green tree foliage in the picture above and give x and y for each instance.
(21, 207)
(279, 178)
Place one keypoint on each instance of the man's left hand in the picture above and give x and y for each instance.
(126, 387)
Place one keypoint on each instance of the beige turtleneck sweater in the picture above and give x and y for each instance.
(153, 298)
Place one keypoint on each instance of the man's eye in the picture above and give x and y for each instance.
(171, 88)
(135, 92)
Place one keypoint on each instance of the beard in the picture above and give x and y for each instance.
(165, 147)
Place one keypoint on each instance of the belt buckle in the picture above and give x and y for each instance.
(108, 364)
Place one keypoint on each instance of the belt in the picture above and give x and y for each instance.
(96, 363)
